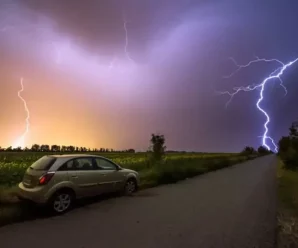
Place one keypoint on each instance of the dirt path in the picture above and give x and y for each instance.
(233, 207)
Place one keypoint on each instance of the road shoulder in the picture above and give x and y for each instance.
(287, 207)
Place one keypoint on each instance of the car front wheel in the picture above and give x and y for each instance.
(130, 186)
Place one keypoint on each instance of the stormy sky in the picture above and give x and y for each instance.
(87, 82)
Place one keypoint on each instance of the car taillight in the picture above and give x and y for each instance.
(46, 178)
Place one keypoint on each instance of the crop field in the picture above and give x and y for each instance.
(14, 164)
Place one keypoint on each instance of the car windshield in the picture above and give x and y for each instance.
(43, 163)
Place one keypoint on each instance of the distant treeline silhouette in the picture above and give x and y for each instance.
(58, 148)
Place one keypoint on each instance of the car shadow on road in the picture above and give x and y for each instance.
(145, 193)
(95, 199)
(28, 211)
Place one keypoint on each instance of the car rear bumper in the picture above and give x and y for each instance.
(36, 194)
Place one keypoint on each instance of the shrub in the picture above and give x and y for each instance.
(288, 149)
(248, 150)
(157, 149)
(175, 170)
(262, 150)
(290, 159)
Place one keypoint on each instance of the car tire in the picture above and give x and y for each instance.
(61, 201)
(130, 186)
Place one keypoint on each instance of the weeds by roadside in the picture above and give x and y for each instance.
(287, 207)
(8, 195)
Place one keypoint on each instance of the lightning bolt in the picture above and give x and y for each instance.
(126, 38)
(276, 74)
(21, 141)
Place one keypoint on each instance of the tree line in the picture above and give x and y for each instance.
(288, 148)
(157, 147)
(262, 150)
(58, 148)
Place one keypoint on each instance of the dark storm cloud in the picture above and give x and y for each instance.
(98, 24)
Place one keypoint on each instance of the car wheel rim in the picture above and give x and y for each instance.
(62, 202)
(130, 187)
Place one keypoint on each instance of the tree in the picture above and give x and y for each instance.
(288, 148)
(290, 159)
(9, 149)
(71, 148)
(83, 149)
(262, 150)
(17, 149)
(293, 130)
(35, 148)
(55, 148)
(157, 147)
(284, 144)
(45, 148)
(248, 150)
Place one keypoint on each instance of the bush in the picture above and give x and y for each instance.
(284, 144)
(263, 151)
(173, 171)
(248, 150)
(290, 159)
(288, 149)
(157, 148)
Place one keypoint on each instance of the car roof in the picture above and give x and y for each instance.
(62, 158)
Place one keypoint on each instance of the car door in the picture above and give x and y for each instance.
(111, 178)
(84, 175)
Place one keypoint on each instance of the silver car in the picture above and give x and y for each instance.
(57, 180)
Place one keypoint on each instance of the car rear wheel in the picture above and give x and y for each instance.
(130, 187)
(62, 201)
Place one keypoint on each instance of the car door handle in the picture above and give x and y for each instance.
(74, 176)
(103, 174)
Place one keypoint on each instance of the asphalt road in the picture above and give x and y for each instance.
(233, 207)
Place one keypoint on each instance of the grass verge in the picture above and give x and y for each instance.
(170, 171)
(287, 207)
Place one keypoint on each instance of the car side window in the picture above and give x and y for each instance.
(105, 164)
(83, 164)
(67, 166)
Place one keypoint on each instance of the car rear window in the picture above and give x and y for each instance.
(43, 163)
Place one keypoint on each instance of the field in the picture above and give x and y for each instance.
(14, 164)
(287, 207)
(175, 167)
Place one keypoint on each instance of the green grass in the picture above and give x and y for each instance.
(14, 164)
(287, 207)
(175, 167)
